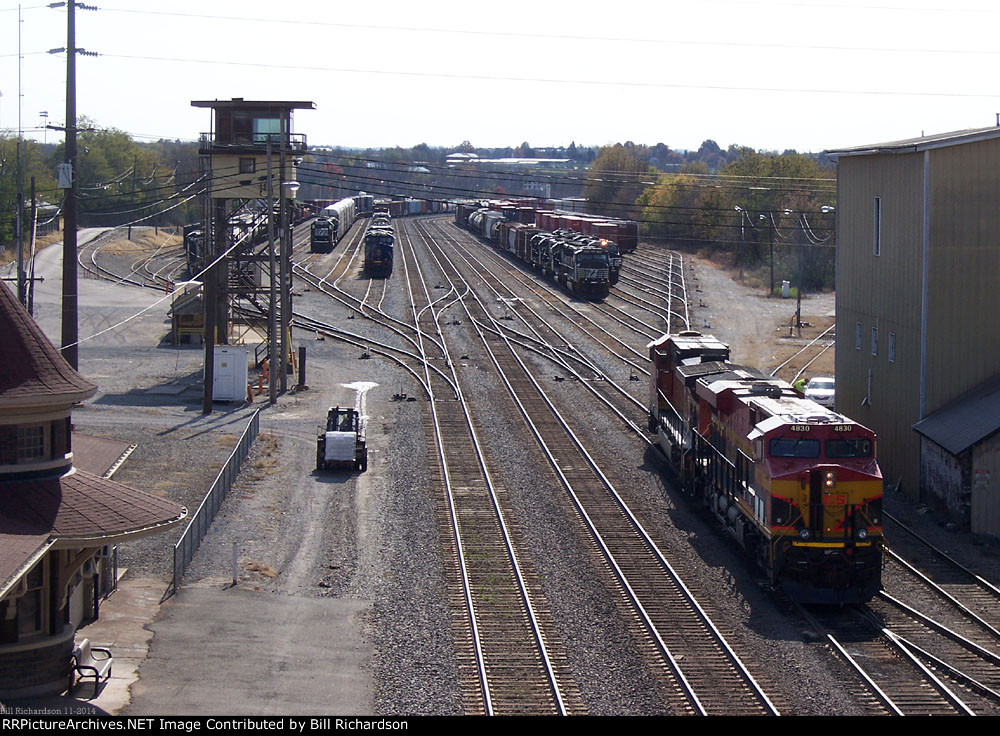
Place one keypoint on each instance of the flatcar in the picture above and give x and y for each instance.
(796, 484)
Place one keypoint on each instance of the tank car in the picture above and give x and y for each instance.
(796, 484)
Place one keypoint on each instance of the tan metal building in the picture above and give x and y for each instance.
(918, 298)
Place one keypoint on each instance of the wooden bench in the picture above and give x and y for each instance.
(86, 664)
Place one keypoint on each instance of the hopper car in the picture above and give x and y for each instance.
(795, 483)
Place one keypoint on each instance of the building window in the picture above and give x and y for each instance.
(878, 227)
(857, 336)
(248, 165)
(874, 340)
(31, 606)
(31, 443)
(892, 347)
(265, 129)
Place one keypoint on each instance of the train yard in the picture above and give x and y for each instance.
(572, 577)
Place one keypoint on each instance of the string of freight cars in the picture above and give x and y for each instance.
(457, 191)
(815, 241)
(449, 192)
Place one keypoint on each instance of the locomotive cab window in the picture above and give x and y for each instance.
(793, 447)
(847, 447)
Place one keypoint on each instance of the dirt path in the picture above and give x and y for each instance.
(755, 327)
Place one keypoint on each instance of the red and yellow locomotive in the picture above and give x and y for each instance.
(795, 483)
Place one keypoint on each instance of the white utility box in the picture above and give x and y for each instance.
(229, 382)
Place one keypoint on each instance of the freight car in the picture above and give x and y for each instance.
(341, 216)
(364, 204)
(796, 484)
(581, 267)
(625, 233)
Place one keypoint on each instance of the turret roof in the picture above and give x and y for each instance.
(32, 368)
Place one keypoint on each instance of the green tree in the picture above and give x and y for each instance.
(617, 178)
(118, 180)
(34, 164)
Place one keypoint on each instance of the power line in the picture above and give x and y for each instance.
(551, 80)
(555, 36)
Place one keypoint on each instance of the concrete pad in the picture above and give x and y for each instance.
(241, 652)
(121, 628)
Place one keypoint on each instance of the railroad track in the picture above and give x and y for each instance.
(707, 675)
(801, 360)
(976, 598)
(507, 667)
(886, 663)
(169, 261)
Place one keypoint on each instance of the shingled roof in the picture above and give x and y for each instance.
(32, 370)
(76, 509)
(79, 507)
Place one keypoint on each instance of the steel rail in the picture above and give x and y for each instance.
(609, 556)
(978, 579)
(860, 671)
(497, 510)
(965, 610)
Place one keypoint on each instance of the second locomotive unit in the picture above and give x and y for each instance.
(795, 483)
(379, 244)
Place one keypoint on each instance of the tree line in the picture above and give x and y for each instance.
(743, 203)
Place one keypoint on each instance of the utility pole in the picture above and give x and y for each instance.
(70, 312)
(272, 321)
(771, 292)
(19, 219)
(70, 334)
(135, 171)
(30, 301)
(286, 248)
(208, 289)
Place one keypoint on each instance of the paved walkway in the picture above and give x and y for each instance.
(224, 651)
(236, 651)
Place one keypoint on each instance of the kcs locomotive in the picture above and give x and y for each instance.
(796, 484)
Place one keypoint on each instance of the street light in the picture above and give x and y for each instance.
(770, 252)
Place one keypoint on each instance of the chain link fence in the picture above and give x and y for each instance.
(197, 528)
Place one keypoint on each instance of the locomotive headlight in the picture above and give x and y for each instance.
(862, 534)
(829, 479)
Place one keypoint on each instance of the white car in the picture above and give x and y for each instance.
(821, 390)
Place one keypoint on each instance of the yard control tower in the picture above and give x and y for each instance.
(245, 163)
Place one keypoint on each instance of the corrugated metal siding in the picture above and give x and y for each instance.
(986, 488)
(884, 292)
(964, 298)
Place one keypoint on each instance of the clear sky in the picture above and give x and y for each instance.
(766, 74)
